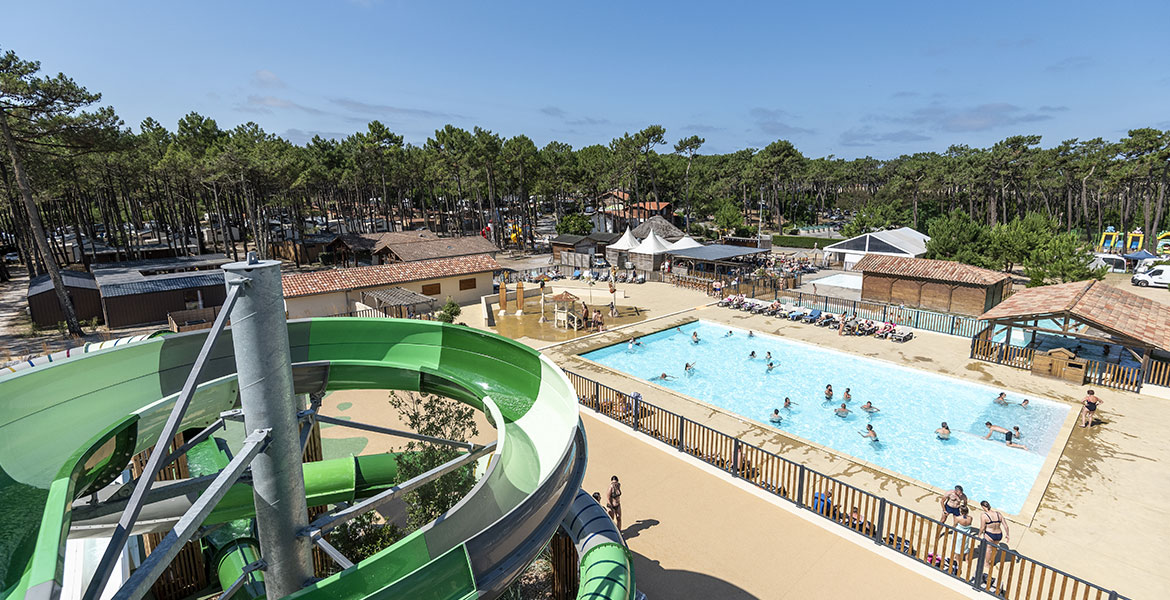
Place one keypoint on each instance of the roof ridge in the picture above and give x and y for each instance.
(1081, 294)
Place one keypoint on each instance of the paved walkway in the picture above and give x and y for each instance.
(696, 533)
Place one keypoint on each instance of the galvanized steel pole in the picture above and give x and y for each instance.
(264, 369)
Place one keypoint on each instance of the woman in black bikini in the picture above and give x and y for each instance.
(1090, 402)
(829, 392)
(993, 528)
(614, 501)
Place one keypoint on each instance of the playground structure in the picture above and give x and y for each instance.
(1116, 242)
(70, 426)
(1162, 245)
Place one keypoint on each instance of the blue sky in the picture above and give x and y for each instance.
(844, 78)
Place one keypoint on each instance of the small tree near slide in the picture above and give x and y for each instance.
(574, 224)
(43, 115)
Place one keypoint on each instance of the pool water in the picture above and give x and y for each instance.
(912, 405)
(841, 280)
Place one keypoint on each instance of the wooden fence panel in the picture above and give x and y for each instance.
(1158, 373)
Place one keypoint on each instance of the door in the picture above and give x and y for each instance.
(1159, 276)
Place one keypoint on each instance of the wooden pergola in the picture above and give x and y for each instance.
(1085, 310)
(397, 302)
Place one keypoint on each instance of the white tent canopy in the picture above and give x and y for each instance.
(626, 242)
(684, 243)
(653, 244)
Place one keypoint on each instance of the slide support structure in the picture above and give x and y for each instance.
(264, 371)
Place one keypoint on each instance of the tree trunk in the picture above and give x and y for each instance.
(38, 229)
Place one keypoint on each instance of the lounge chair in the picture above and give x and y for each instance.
(641, 279)
(902, 336)
(759, 308)
(577, 274)
(830, 320)
(797, 314)
(812, 316)
(727, 301)
(884, 331)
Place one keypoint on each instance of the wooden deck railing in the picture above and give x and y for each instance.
(1104, 374)
(988, 567)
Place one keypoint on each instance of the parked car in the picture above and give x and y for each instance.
(1158, 276)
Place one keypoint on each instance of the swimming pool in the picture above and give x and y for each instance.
(842, 280)
(912, 404)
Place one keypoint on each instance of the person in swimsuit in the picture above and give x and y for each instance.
(870, 408)
(695, 337)
(842, 412)
(771, 366)
(1024, 404)
(869, 433)
(1001, 399)
(689, 368)
(1090, 402)
(963, 523)
(665, 377)
(951, 502)
(751, 333)
(993, 429)
(768, 356)
(829, 392)
(944, 432)
(847, 396)
(597, 497)
(1016, 432)
(752, 355)
(788, 403)
(993, 528)
(613, 501)
(775, 418)
(1008, 436)
(729, 333)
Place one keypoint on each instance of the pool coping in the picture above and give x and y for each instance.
(1030, 505)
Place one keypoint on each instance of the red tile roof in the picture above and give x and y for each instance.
(1105, 307)
(336, 280)
(923, 268)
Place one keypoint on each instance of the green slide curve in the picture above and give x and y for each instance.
(69, 427)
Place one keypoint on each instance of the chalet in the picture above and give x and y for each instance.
(940, 285)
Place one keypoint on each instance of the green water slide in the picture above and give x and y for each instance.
(69, 427)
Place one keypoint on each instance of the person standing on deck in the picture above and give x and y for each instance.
(614, 501)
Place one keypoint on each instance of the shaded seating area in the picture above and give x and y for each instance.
(1114, 338)
(397, 302)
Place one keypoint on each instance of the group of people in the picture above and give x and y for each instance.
(993, 527)
(613, 501)
(841, 411)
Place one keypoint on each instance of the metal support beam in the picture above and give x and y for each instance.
(264, 371)
(332, 552)
(330, 520)
(397, 433)
(140, 581)
(245, 574)
(191, 443)
(155, 463)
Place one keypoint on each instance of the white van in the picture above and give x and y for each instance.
(1115, 262)
(1157, 276)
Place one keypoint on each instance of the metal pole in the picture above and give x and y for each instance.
(264, 370)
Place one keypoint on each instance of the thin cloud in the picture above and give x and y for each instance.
(1072, 63)
(367, 108)
(1052, 109)
(554, 111)
(275, 102)
(775, 122)
(588, 122)
(867, 136)
(266, 79)
(983, 117)
(905, 94)
(301, 137)
(701, 128)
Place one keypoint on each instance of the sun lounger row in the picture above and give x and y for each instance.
(851, 326)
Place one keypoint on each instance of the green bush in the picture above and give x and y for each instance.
(795, 241)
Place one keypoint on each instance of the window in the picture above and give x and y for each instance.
(431, 289)
(467, 284)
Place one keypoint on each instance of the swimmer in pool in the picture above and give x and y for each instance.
(869, 433)
(847, 396)
(752, 355)
(768, 356)
(1024, 404)
(665, 377)
(829, 392)
(788, 403)
(870, 408)
(944, 432)
(690, 367)
(695, 337)
(729, 333)
(1001, 399)
(1016, 432)
(842, 412)
(993, 429)
(775, 418)
(751, 333)
(771, 366)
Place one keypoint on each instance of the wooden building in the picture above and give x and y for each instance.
(45, 309)
(594, 243)
(941, 285)
(146, 291)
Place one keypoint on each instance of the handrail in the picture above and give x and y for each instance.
(958, 554)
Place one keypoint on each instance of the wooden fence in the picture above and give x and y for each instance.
(1104, 374)
(985, 566)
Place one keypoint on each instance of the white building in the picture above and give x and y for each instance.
(903, 241)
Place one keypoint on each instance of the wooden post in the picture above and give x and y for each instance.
(519, 298)
(503, 298)
(566, 575)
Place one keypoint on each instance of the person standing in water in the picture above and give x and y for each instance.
(842, 412)
(829, 392)
(775, 418)
(869, 433)
(944, 432)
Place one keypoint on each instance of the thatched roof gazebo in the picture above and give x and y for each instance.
(660, 226)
